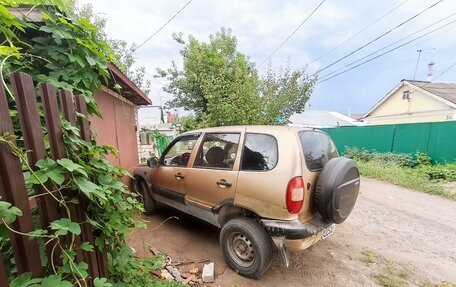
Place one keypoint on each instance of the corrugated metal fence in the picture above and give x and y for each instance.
(437, 139)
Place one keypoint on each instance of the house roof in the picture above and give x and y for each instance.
(444, 92)
(129, 89)
(320, 119)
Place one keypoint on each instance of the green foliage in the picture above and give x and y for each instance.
(423, 159)
(221, 87)
(69, 52)
(441, 171)
(398, 159)
(404, 170)
(9, 213)
(135, 272)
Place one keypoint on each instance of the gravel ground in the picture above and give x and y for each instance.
(390, 226)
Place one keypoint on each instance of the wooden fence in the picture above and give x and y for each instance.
(12, 184)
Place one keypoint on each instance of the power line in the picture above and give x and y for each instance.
(291, 35)
(446, 70)
(387, 52)
(359, 32)
(163, 26)
(379, 37)
(387, 46)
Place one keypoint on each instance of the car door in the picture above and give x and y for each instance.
(168, 178)
(212, 180)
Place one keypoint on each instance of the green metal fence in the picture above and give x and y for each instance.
(437, 139)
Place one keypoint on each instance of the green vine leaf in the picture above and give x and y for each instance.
(8, 212)
(55, 281)
(65, 225)
(86, 246)
(25, 280)
(89, 188)
(69, 165)
(101, 282)
(48, 168)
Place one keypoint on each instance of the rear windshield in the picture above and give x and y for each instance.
(318, 149)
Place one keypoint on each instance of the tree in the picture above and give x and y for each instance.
(220, 86)
(123, 51)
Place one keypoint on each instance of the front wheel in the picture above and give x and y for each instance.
(144, 196)
(246, 246)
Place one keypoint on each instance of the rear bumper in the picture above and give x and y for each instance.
(293, 229)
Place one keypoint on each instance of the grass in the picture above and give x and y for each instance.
(413, 178)
(369, 257)
(393, 275)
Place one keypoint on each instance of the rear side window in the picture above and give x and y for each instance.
(260, 152)
(318, 149)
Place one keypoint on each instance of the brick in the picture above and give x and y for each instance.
(208, 273)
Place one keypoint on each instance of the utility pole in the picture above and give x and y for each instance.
(418, 60)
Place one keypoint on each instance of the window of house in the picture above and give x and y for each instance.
(406, 95)
(179, 151)
(218, 151)
(260, 152)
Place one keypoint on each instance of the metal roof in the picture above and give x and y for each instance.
(322, 119)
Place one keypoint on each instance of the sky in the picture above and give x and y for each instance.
(262, 25)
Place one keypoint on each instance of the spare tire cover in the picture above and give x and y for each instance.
(337, 189)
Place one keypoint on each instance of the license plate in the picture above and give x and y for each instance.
(325, 233)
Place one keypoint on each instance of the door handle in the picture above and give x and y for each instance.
(223, 183)
(179, 176)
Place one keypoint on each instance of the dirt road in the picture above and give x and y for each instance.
(392, 234)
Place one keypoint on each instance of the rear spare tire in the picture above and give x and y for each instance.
(337, 189)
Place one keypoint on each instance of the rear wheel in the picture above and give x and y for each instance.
(246, 246)
(150, 205)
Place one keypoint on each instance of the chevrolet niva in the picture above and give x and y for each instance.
(264, 186)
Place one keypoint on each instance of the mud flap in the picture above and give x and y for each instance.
(283, 250)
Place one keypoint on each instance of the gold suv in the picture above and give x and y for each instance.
(262, 185)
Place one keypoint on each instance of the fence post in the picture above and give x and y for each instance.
(13, 189)
(99, 259)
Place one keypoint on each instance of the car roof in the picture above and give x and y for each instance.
(248, 128)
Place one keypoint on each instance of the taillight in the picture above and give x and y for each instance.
(295, 194)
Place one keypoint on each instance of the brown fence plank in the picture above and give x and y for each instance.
(27, 108)
(81, 107)
(86, 228)
(3, 276)
(52, 117)
(66, 104)
(68, 110)
(55, 137)
(13, 189)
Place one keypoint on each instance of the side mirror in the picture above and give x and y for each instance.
(152, 162)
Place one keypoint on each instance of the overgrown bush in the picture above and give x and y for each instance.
(398, 159)
(445, 172)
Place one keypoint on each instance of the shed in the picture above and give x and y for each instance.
(117, 125)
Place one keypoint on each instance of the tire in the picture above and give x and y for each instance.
(246, 246)
(337, 189)
(150, 205)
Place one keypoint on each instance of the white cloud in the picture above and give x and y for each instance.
(260, 26)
